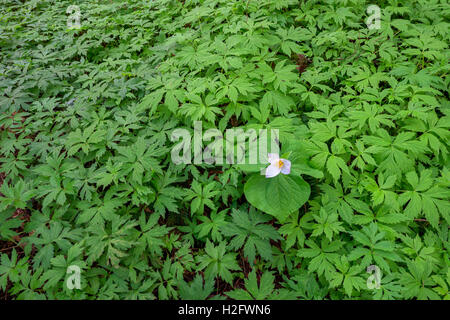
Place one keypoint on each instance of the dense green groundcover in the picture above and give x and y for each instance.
(87, 178)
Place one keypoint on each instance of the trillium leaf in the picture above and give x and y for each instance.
(279, 196)
(251, 167)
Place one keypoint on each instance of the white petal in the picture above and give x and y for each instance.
(272, 171)
(286, 168)
(272, 157)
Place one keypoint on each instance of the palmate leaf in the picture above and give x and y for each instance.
(27, 288)
(279, 196)
(7, 224)
(346, 204)
(425, 198)
(77, 140)
(374, 248)
(166, 196)
(49, 240)
(139, 159)
(212, 225)
(347, 276)
(443, 285)
(98, 210)
(201, 196)
(417, 281)
(327, 223)
(152, 234)
(292, 229)
(395, 153)
(200, 108)
(380, 191)
(323, 258)
(218, 263)
(280, 102)
(251, 231)
(111, 240)
(265, 289)
(60, 264)
(196, 290)
(11, 268)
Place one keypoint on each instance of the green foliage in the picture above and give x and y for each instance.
(278, 196)
(86, 171)
(250, 231)
(196, 290)
(265, 289)
(218, 263)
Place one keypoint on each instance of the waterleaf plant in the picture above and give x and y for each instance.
(356, 206)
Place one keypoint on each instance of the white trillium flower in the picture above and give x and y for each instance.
(277, 165)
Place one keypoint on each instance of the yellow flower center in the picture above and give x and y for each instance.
(280, 163)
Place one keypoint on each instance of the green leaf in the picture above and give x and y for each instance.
(279, 196)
